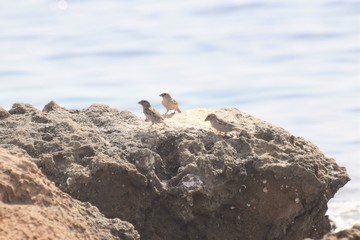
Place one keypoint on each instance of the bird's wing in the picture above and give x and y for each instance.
(222, 122)
(227, 124)
(174, 101)
(156, 113)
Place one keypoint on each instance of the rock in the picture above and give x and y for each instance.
(3, 113)
(348, 234)
(31, 207)
(52, 106)
(21, 108)
(183, 181)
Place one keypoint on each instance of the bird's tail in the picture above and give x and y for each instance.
(178, 110)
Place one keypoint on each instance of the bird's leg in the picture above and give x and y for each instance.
(166, 111)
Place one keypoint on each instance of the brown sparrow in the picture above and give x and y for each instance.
(169, 103)
(220, 125)
(151, 113)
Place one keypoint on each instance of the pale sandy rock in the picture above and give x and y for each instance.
(182, 181)
(31, 207)
(348, 234)
(3, 113)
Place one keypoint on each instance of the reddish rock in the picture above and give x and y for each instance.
(31, 207)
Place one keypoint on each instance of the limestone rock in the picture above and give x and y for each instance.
(347, 234)
(183, 181)
(31, 207)
(21, 108)
(3, 113)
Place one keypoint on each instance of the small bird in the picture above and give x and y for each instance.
(169, 103)
(220, 125)
(151, 113)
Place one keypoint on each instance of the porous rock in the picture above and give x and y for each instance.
(3, 113)
(347, 234)
(31, 207)
(183, 181)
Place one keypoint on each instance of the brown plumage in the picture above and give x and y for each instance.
(151, 114)
(169, 103)
(220, 125)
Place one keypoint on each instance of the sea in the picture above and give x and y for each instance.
(295, 64)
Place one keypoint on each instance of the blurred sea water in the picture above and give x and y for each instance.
(295, 64)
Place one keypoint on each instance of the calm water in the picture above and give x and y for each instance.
(295, 64)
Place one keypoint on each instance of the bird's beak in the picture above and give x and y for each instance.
(207, 118)
(139, 102)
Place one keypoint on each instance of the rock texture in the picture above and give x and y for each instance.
(31, 207)
(348, 234)
(182, 181)
(3, 113)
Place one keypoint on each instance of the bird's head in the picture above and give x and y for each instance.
(210, 117)
(165, 95)
(144, 103)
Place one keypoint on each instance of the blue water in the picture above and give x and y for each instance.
(295, 64)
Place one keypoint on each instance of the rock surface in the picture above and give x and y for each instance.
(182, 181)
(3, 113)
(348, 234)
(31, 207)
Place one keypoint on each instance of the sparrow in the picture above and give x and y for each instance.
(151, 113)
(220, 125)
(169, 103)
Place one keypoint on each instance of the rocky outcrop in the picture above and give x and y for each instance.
(181, 181)
(3, 113)
(31, 207)
(348, 234)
